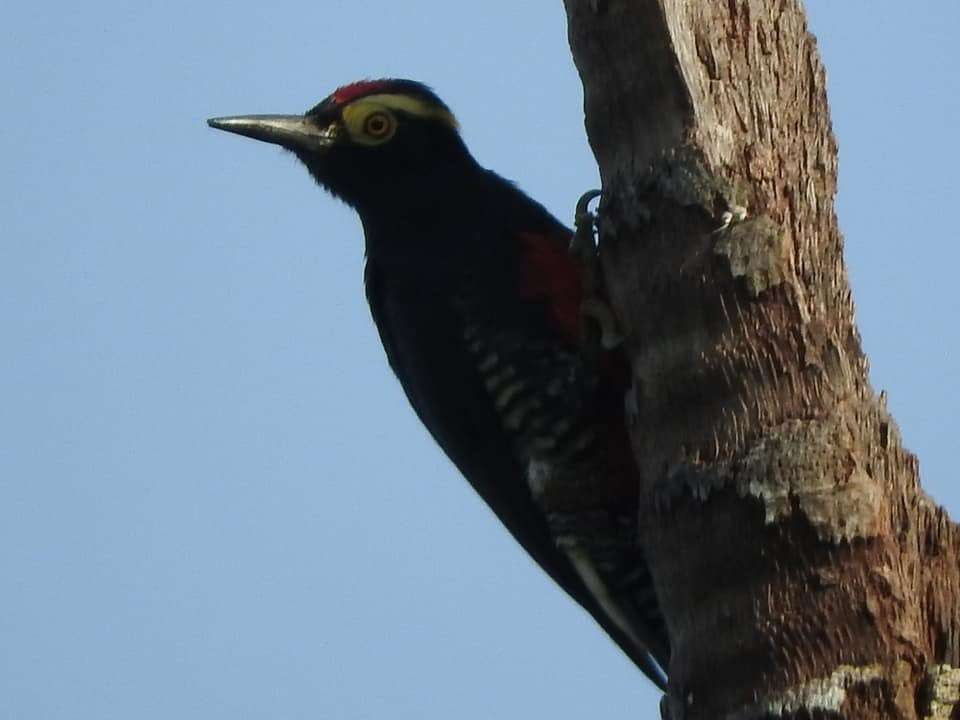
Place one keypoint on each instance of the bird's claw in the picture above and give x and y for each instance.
(733, 215)
(601, 313)
(593, 310)
(583, 205)
(583, 244)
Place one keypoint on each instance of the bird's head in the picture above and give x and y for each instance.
(373, 143)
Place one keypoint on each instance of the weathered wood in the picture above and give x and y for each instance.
(799, 565)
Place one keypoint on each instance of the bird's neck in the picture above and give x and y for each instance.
(444, 218)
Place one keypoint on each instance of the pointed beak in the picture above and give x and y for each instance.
(295, 132)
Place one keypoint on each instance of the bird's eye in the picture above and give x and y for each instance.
(369, 123)
(378, 125)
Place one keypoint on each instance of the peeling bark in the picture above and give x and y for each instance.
(801, 570)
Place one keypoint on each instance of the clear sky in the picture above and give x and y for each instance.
(214, 501)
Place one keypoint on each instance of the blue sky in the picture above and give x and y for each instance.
(214, 501)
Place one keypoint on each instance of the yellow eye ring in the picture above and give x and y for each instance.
(369, 123)
(378, 125)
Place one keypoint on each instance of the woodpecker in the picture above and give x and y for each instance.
(478, 303)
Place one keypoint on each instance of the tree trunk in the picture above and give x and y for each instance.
(800, 568)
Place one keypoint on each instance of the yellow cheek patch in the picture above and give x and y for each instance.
(357, 114)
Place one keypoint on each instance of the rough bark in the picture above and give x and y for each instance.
(801, 570)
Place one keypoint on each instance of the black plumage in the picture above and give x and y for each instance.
(477, 301)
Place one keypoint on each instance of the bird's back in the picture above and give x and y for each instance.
(486, 351)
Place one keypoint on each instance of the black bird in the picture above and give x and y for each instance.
(478, 304)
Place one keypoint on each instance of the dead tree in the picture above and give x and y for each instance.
(801, 570)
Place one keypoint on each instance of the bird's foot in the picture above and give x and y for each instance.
(733, 215)
(583, 244)
(584, 247)
(597, 310)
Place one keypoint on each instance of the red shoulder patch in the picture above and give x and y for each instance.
(348, 93)
(550, 274)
